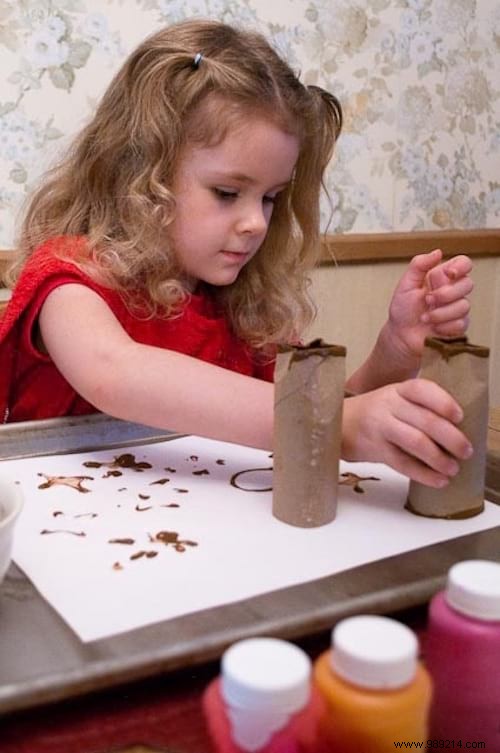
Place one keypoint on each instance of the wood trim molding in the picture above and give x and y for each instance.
(362, 248)
(355, 248)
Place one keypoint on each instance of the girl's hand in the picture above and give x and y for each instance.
(410, 426)
(430, 299)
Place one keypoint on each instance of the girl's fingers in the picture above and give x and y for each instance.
(449, 313)
(431, 396)
(430, 446)
(414, 469)
(449, 293)
(448, 271)
(419, 268)
(455, 328)
(457, 267)
(421, 448)
(430, 438)
(411, 426)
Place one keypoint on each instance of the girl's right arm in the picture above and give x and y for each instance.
(146, 384)
(410, 426)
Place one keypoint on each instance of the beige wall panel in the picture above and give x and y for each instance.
(353, 300)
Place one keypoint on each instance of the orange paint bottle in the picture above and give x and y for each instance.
(375, 691)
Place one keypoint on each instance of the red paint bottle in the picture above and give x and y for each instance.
(262, 701)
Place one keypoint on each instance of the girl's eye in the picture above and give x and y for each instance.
(224, 194)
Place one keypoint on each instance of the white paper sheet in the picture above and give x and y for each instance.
(236, 550)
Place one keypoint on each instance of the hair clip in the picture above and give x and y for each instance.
(197, 60)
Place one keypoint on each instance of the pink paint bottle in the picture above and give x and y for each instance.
(463, 656)
(262, 703)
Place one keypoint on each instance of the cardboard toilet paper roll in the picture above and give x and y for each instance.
(462, 370)
(309, 394)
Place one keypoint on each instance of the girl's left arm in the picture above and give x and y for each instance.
(431, 299)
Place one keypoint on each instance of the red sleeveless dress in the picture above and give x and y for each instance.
(31, 387)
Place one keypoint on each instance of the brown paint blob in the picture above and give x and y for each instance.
(121, 541)
(126, 460)
(74, 482)
(143, 553)
(171, 538)
(353, 480)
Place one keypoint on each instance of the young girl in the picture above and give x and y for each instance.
(167, 256)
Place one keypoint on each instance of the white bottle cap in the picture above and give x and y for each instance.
(264, 682)
(473, 589)
(374, 652)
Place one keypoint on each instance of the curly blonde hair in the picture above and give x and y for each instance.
(113, 185)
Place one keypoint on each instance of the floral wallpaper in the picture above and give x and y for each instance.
(418, 79)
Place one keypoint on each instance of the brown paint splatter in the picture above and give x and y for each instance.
(220, 462)
(181, 491)
(171, 504)
(203, 472)
(126, 460)
(86, 515)
(144, 496)
(194, 458)
(352, 479)
(121, 541)
(170, 470)
(74, 482)
(62, 530)
(113, 474)
(143, 553)
(160, 481)
(56, 513)
(117, 566)
(143, 509)
(171, 538)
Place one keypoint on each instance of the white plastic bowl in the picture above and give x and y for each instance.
(11, 503)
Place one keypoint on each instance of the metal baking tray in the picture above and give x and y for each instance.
(42, 660)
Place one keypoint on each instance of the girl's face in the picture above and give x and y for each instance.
(225, 195)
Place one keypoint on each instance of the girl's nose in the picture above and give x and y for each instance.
(253, 220)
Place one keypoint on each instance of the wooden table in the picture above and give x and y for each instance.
(160, 715)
